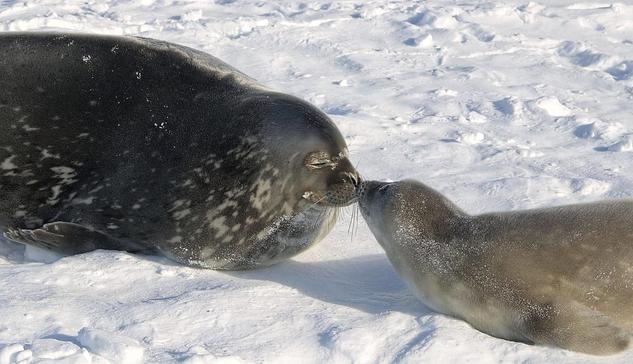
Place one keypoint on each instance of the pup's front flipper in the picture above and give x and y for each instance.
(68, 238)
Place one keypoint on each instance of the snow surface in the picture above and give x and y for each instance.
(499, 105)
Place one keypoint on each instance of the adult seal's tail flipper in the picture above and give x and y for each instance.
(143, 145)
(557, 276)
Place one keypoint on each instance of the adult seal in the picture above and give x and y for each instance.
(560, 276)
(146, 146)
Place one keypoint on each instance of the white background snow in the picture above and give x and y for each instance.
(499, 105)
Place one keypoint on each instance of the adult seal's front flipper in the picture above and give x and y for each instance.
(68, 238)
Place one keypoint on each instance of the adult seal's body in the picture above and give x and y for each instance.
(559, 276)
(142, 145)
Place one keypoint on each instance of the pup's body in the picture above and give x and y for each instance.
(560, 276)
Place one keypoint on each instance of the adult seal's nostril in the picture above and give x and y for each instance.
(353, 178)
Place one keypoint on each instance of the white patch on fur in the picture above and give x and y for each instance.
(57, 189)
(8, 164)
(175, 239)
(84, 201)
(47, 154)
(66, 174)
(181, 214)
(219, 225)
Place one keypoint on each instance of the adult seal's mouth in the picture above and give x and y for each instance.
(339, 194)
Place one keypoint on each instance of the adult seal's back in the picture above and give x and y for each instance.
(141, 145)
(558, 276)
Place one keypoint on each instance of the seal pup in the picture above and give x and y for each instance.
(146, 146)
(560, 276)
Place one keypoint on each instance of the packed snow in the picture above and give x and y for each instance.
(498, 105)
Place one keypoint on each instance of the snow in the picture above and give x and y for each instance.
(498, 105)
(117, 348)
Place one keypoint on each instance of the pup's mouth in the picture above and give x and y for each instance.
(361, 193)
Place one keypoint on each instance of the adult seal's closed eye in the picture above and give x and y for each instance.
(142, 145)
(560, 276)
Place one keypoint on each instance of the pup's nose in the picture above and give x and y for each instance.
(369, 187)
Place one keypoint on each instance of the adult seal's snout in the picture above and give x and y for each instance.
(143, 145)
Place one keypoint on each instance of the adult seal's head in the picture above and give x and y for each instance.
(148, 146)
(557, 276)
(307, 145)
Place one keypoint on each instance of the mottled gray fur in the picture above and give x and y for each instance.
(142, 145)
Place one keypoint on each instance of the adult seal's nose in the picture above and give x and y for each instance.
(354, 178)
(345, 167)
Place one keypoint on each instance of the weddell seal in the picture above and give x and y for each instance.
(560, 276)
(146, 146)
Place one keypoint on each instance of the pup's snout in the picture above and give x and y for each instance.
(366, 190)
